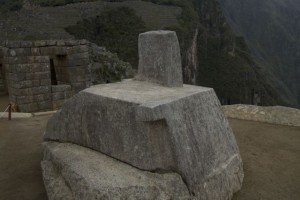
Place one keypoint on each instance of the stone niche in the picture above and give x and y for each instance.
(151, 137)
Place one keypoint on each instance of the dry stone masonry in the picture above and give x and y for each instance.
(150, 126)
(42, 75)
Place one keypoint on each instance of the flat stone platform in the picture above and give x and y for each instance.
(140, 92)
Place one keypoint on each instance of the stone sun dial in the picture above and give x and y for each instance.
(173, 136)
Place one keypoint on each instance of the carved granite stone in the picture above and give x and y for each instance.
(159, 58)
(156, 128)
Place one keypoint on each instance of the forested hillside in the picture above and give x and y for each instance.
(212, 54)
(272, 31)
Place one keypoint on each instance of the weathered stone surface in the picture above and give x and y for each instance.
(74, 172)
(181, 129)
(45, 105)
(31, 107)
(60, 88)
(29, 65)
(159, 58)
(271, 114)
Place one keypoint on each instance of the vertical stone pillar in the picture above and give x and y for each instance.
(160, 59)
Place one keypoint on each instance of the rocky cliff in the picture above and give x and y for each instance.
(271, 30)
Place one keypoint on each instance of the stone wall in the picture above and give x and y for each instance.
(41, 75)
(3, 85)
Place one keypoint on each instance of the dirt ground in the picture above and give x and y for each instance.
(271, 156)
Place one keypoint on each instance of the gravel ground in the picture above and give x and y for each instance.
(271, 156)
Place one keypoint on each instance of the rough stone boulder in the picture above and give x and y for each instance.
(74, 172)
(142, 122)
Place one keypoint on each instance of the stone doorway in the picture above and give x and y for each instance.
(59, 70)
(53, 73)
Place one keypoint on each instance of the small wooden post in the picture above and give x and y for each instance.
(9, 111)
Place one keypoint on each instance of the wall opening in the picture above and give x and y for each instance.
(62, 69)
(53, 73)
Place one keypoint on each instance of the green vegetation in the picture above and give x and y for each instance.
(10, 5)
(107, 67)
(56, 2)
(116, 29)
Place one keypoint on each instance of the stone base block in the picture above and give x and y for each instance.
(151, 127)
(73, 172)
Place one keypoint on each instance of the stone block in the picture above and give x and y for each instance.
(44, 67)
(31, 107)
(79, 49)
(21, 68)
(58, 96)
(35, 83)
(16, 76)
(35, 51)
(38, 75)
(24, 100)
(84, 41)
(26, 44)
(12, 53)
(19, 51)
(40, 43)
(61, 50)
(13, 60)
(22, 84)
(60, 88)
(41, 90)
(78, 62)
(35, 67)
(60, 43)
(107, 177)
(153, 123)
(152, 127)
(21, 92)
(45, 105)
(41, 59)
(51, 42)
(13, 44)
(72, 42)
(12, 98)
(45, 82)
(159, 58)
(48, 51)
(42, 97)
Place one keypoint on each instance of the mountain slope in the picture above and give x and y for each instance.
(272, 31)
(212, 55)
